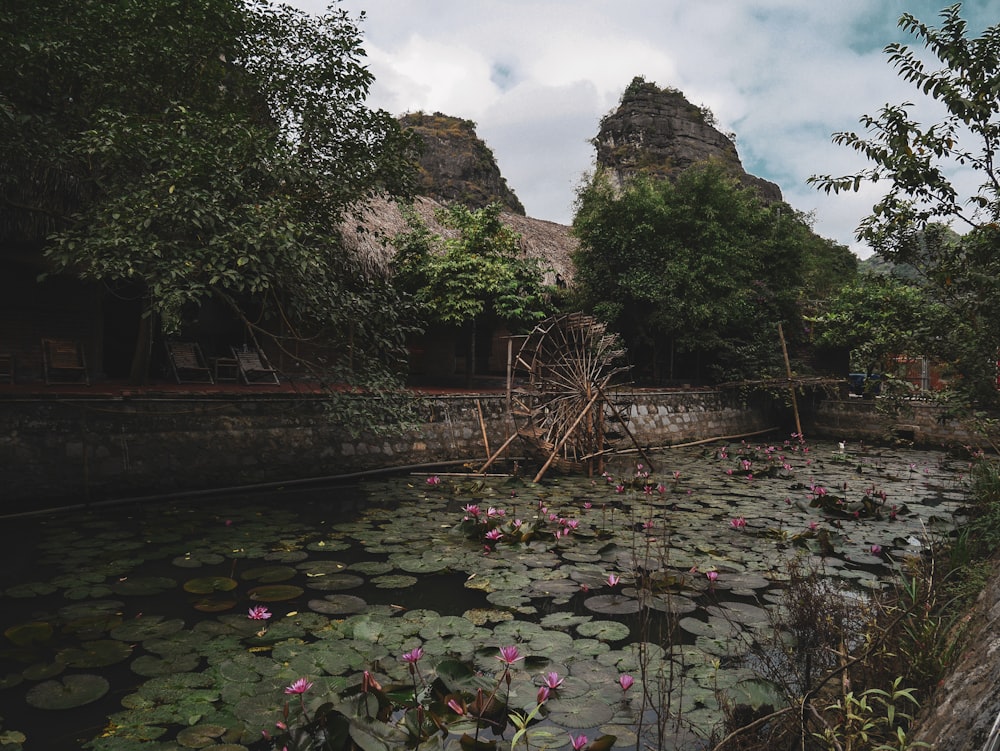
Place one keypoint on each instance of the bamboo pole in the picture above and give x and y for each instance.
(498, 452)
(629, 434)
(791, 384)
(566, 435)
(482, 426)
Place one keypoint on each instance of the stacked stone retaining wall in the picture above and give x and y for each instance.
(75, 450)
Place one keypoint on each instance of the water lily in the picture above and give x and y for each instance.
(543, 695)
(578, 741)
(613, 580)
(455, 707)
(625, 681)
(299, 687)
(509, 655)
(258, 613)
(619, 488)
(713, 576)
(413, 656)
(738, 523)
(876, 549)
(433, 480)
(368, 683)
(552, 680)
(494, 534)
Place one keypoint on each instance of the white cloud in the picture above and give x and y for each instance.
(537, 76)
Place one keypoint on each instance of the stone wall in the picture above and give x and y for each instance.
(76, 450)
(923, 423)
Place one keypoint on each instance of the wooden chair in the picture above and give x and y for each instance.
(187, 363)
(6, 367)
(254, 367)
(64, 361)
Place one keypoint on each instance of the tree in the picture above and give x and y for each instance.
(476, 276)
(879, 317)
(925, 167)
(695, 268)
(205, 150)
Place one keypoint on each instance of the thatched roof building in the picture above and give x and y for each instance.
(371, 231)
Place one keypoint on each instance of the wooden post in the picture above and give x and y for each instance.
(629, 434)
(791, 384)
(498, 452)
(577, 421)
(482, 426)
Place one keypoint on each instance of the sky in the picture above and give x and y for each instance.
(537, 76)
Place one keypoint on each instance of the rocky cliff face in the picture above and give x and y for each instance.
(658, 132)
(456, 165)
(654, 131)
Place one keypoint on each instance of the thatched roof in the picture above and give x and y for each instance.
(370, 232)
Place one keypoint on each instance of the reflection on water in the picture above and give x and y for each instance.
(149, 596)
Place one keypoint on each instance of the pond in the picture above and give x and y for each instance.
(190, 625)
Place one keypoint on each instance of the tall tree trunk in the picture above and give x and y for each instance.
(470, 355)
(139, 372)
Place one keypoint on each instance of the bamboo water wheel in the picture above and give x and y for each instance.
(562, 402)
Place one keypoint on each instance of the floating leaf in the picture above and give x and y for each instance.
(95, 654)
(338, 605)
(72, 691)
(604, 630)
(34, 632)
(206, 585)
(579, 712)
(275, 592)
(335, 582)
(612, 604)
(143, 586)
(269, 574)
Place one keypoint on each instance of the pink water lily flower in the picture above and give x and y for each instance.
(578, 741)
(738, 523)
(552, 680)
(625, 681)
(258, 613)
(613, 580)
(509, 655)
(713, 576)
(413, 656)
(433, 480)
(543, 694)
(299, 687)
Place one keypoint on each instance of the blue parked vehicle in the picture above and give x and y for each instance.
(863, 384)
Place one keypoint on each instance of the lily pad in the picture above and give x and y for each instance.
(579, 712)
(269, 574)
(206, 585)
(96, 654)
(34, 632)
(335, 582)
(143, 586)
(72, 691)
(395, 581)
(339, 605)
(604, 630)
(275, 592)
(612, 604)
(202, 736)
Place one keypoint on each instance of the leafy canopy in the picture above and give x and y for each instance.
(929, 169)
(696, 266)
(477, 271)
(206, 149)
